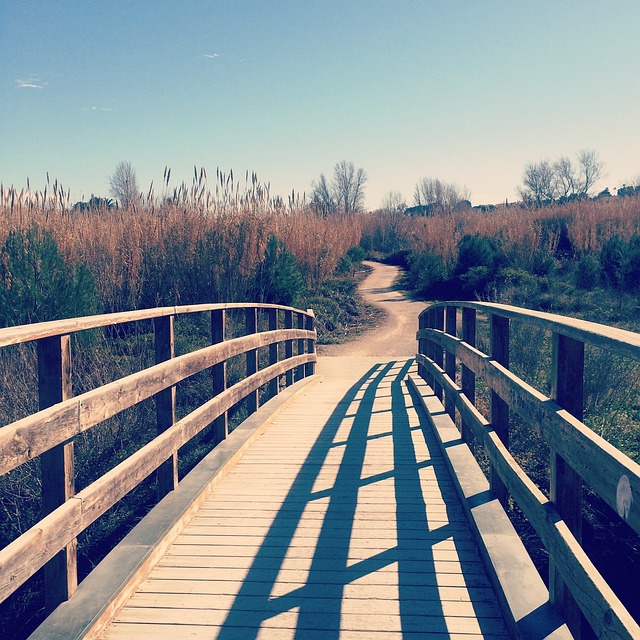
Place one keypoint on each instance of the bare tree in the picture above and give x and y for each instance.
(348, 186)
(566, 178)
(538, 183)
(345, 193)
(438, 196)
(393, 203)
(591, 170)
(123, 184)
(322, 199)
(544, 182)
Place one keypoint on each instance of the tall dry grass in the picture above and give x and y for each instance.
(192, 243)
(522, 231)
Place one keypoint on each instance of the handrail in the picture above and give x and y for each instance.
(578, 454)
(48, 434)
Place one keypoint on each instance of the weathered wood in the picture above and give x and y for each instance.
(468, 378)
(272, 315)
(576, 587)
(500, 408)
(31, 332)
(438, 353)
(251, 326)
(288, 345)
(567, 380)
(299, 374)
(57, 465)
(29, 437)
(22, 558)
(602, 608)
(451, 320)
(598, 462)
(167, 474)
(219, 373)
(309, 325)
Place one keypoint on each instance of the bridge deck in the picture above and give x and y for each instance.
(340, 521)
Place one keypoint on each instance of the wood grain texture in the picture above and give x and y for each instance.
(340, 521)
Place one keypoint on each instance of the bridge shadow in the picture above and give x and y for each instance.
(406, 596)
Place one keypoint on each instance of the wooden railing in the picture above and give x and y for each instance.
(451, 364)
(49, 433)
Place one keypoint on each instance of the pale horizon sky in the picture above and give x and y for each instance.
(467, 92)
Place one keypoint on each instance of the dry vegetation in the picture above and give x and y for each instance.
(214, 242)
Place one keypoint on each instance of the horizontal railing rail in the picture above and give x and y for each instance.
(450, 362)
(287, 338)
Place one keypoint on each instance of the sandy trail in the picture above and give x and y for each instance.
(396, 337)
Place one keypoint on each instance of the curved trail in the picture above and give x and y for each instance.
(396, 337)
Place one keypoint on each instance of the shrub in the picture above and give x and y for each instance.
(612, 262)
(278, 277)
(37, 285)
(587, 273)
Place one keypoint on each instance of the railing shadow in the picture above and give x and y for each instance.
(334, 567)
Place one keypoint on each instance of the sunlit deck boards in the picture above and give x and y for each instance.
(339, 522)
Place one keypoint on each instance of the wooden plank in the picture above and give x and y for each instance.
(598, 462)
(19, 562)
(31, 332)
(29, 437)
(270, 543)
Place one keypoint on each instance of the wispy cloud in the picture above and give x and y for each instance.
(212, 56)
(100, 109)
(31, 83)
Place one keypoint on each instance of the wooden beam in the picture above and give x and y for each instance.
(451, 319)
(499, 407)
(220, 428)
(251, 326)
(167, 475)
(567, 389)
(57, 465)
(272, 315)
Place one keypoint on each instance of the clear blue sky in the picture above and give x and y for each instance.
(464, 91)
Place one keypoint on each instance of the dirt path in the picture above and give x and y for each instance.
(396, 337)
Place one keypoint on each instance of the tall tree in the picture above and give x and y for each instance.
(322, 199)
(393, 203)
(591, 170)
(344, 194)
(348, 186)
(123, 184)
(438, 196)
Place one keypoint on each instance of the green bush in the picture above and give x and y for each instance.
(587, 273)
(36, 284)
(278, 277)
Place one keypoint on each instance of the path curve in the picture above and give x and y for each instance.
(396, 336)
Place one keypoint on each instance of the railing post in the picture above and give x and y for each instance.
(567, 389)
(499, 408)
(300, 369)
(438, 352)
(288, 345)
(220, 428)
(310, 367)
(167, 473)
(57, 465)
(451, 321)
(422, 344)
(273, 351)
(468, 377)
(251, 326)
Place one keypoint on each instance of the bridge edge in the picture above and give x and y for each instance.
(106, 589)
(522, 594)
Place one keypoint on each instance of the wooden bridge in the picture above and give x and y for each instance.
(346, 505)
